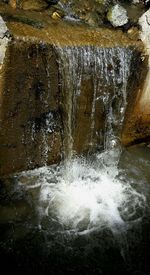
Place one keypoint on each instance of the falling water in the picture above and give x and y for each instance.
(86, 211)
(109, 69)
(84, 194)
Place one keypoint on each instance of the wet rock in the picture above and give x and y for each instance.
(3, 28)
(91, 11)
(55, 12)
(37, 5)
(77, 8)
(56, 15)
(137, 124)
(133, 32)
(117, 15)
(29, 113)
(30, 122)
(13, 3)
(4, 39)
(102, 6)
(92, 19)
(134, 11)
(52, 2)
(144, 22)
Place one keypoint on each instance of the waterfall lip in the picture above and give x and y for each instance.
(63, 32)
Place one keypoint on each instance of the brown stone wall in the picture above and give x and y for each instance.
(137, 120)
(87, 129)
(29, 109)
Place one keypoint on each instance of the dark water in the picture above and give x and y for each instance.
(30, 244)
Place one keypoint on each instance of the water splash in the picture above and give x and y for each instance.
(85, 196)
(69, 14)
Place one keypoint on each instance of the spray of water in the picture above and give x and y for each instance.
(87, 196)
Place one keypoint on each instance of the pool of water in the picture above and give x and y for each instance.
(79, 217)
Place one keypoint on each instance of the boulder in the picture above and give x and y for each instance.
(117, 16)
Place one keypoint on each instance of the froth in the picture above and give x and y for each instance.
(88, 196)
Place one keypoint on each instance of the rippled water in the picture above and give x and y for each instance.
(86, 217)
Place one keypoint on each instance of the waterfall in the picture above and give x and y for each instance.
(88, 192)
(109, 70)
(86, 195)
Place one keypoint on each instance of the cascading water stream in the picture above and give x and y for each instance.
(88, 206)
(109, 69)
(84, 194)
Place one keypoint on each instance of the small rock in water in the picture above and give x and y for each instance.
(36, 5)
(56, 15)
(117, 15)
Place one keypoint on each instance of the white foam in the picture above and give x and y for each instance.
(88, 196)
